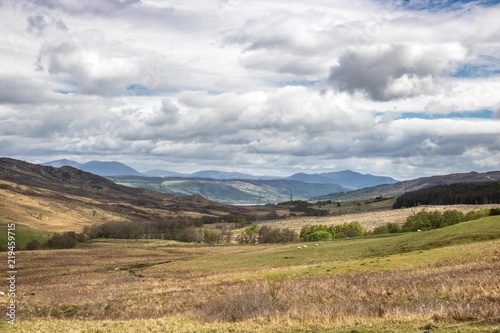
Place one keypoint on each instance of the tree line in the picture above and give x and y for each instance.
(428, 220)
(477, 193)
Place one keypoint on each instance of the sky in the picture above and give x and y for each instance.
(396, 88)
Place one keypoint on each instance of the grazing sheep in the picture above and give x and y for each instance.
(299, 247)
(316, 244)
(419, 230)
(304, 246)
(2, 293)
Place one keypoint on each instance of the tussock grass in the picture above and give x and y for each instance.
(400, 283)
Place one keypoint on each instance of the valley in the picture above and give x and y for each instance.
(437, 279)
(391, 282)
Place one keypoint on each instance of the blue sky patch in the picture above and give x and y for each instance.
(438, 5)
(480, 114)
(138, 90)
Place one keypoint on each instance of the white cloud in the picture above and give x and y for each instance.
(93, 64)
(396, 71)
(262, 86)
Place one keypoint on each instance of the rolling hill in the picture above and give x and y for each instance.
(101, 168)
(233, 191)
(396, 189)
(66, 198)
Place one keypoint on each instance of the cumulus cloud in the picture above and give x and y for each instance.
(95, 65)
(395, 71)
(256, 86)
(167, 114)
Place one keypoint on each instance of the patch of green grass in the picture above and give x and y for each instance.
(344, 253)
(23, 236)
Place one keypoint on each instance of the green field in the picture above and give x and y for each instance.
(446, 280)
(22, 236)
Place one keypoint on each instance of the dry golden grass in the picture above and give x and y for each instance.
(369, 220)
(46, 210)
(163, 286)
(51, 210)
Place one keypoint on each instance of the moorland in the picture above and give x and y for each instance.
(444, 280)
(406, 282)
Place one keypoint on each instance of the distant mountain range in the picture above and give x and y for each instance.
(233, 191)
(231, 187)
(114, 168)
(348, 179)
(314, 187)
(49, 198)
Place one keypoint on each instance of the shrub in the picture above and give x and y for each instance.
(452, 217)
(353, 229)
(250, 235)
(418, 221)
(388, 228)
(66, 240)
(241, 220)
(436, 220)
(275, 283)
(382, 229)
(276, 235)
(319, 236)
(476, 214)
(494, 211)
(393, 227)
(311, 228)
(212, 237)
(33, 245)
(194, 235)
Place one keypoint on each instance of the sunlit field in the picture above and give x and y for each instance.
(445, 278)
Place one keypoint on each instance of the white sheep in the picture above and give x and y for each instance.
(316, 244)
(2, 293)
(304, 246)
(299, 247)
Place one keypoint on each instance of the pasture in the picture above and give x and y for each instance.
(446, 279)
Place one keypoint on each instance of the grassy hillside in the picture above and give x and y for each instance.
(233, 191)
(43, 203)
(399, 188)
(22, 235)
(402, 283)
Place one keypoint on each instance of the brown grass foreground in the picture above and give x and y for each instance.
(157, 286)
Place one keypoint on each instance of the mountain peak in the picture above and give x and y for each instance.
(101, 168)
